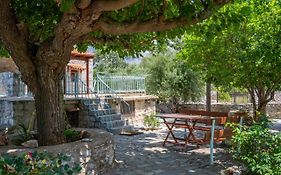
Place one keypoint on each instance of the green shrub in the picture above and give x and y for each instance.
(258, 149)
(71, 135)
(39, 163)
(151, 121)
(22, 136)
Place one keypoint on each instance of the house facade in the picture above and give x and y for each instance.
(80, 67)
(116, 101)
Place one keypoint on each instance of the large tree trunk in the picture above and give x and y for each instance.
(49, 109)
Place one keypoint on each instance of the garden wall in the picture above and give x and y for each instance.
(140, 106)
(273, 109)
(95, 157)
(14, 112)
(19, 110)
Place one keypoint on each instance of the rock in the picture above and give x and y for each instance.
(30, 144)
(84, 134)
(233, 170)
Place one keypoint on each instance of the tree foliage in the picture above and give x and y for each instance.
(110, 62)
(240, 47)
(172, 79)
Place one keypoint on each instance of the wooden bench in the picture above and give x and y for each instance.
(221, 131)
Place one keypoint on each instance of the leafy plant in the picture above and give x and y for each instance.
(40, 163)
(258, 149)
(22, 136)
(151, 122)
(71, 135)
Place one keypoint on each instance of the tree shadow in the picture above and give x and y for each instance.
(145, 154)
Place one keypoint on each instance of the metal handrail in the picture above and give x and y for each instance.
(120, 83)
(113, 93)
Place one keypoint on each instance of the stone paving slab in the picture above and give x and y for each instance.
(144, 155)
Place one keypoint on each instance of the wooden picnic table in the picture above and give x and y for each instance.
(188, 122)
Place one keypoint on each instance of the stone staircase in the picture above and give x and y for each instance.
(102, 116)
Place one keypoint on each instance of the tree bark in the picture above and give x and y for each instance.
(260, 99)
(253, 101)
(261, 109)
(208, 96)
(49, 108)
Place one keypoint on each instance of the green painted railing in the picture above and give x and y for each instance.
(106, 83)
(76, 88)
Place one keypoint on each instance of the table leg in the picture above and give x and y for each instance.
(170, 131)
(212, 142)
(190, 129)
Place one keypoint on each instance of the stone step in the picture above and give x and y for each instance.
(119, 130)
(98, 106)
(113, 124)
(101, 112)
(110, 117)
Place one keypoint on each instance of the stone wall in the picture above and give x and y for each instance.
(84, 120)
(6, 114)
(23, 111)
(95, 157)
(273, 109)
(20, 111)
(142, 107)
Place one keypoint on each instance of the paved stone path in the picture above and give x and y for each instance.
(144, 155)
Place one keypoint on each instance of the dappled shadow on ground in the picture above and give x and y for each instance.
(144, 154)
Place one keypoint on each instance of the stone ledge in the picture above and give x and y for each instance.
(96, 157)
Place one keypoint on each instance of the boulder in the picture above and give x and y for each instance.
(233, 170)
(30, 144)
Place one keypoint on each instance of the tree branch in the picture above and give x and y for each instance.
(155, 25)
(74, 24)
(14, 40)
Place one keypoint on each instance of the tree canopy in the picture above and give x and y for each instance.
(40, 34)
(240, 47)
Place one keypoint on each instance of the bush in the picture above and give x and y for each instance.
(151, 122)
(22, 135)
(258, 149)
(71, 135)
(39, 163)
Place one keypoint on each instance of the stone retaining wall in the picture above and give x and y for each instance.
(273, 109)
(141, 107)
(6, 114)
(16, 111)
(96, 157)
